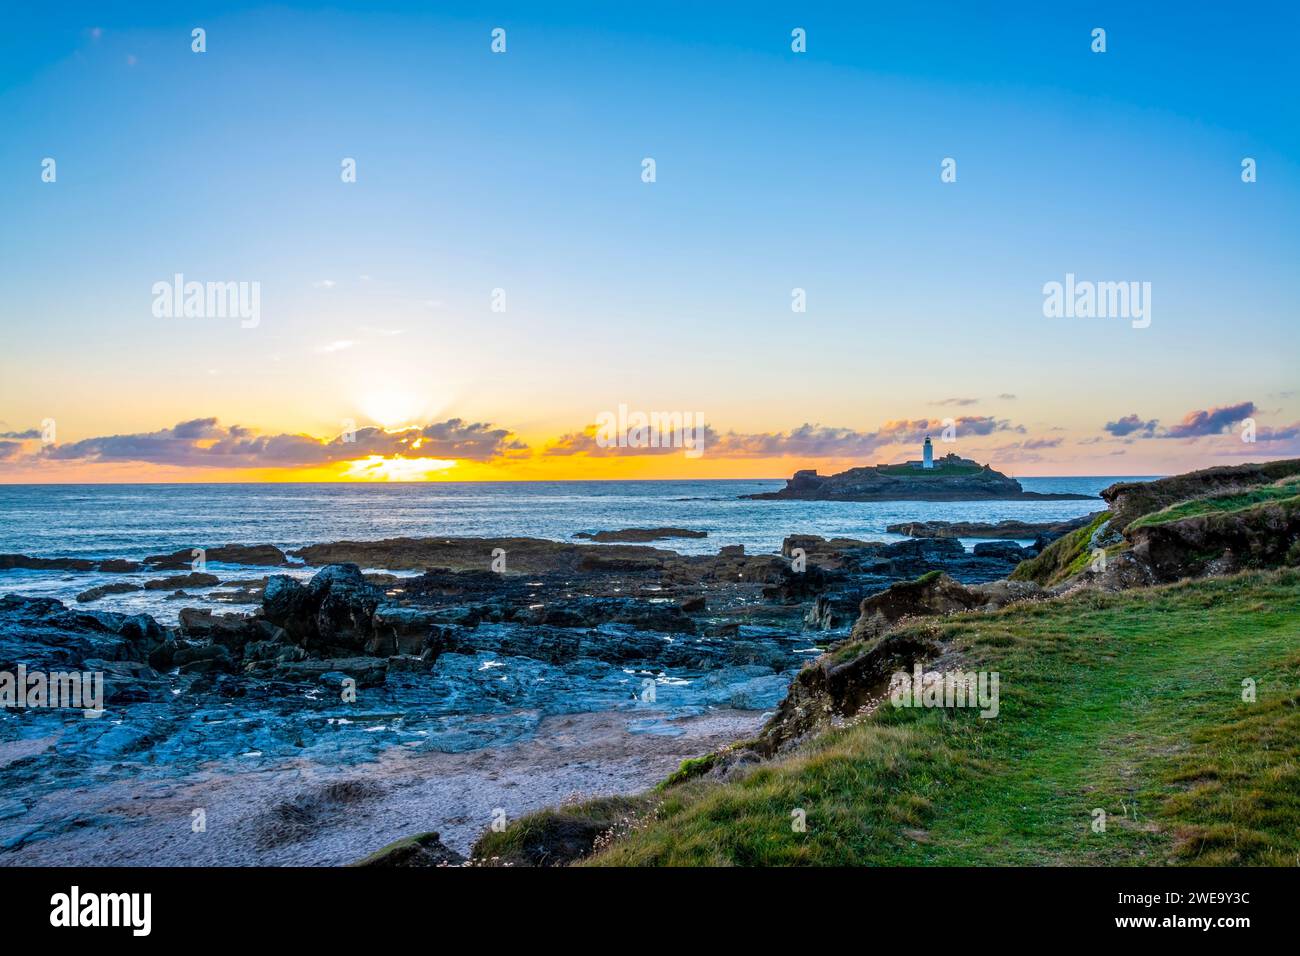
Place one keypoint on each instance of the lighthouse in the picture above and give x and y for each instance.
(927, 454)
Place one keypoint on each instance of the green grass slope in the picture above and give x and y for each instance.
(1131, 500)
(1129, 702)
(1064, 557)
(1221, 504)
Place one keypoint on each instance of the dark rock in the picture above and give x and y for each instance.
(45, 635)
(695, 604)
(265, 555)
(421, 850)
(127, 682)
(233, 631)
(832, 553)
(639, 535)
(821, 616)
(835, 687)
(935, 593)
(202, 658)
(1002, 550)
(22, 562)
(606, 563)
(407, 630)
(117, 587)
(345, 607)
(592, 612)
(1049, 530)
(119, 566)
(522, 555)
(163, 656)
(195, 579)
(366, 671)
(285, 602)
(331, 615)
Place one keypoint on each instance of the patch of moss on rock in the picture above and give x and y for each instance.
(690, 768)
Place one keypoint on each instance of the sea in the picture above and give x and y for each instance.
(133, 521)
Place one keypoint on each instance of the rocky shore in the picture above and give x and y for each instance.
(1002, 530)
(422, 688)
(1242, 521)
(464, 654)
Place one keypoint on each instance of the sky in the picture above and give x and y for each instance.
(500, 274)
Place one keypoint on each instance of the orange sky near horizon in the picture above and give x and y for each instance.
(535, 465)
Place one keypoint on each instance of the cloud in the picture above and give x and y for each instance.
(1284, 433)
(1198, 423)
(1130, 424)
(204, 442)
(1007, 396)
(957, 401)
(10, 450)
(338, 345)
(805, 441)
(586, 443)
(1023, 452)
(324, 284)
(29, 434)
(1214, 421)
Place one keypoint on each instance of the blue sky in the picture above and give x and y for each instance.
(775, 170)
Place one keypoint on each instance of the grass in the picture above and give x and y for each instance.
(1132, 500)
(1130, 703)
(689, 768)
(938, 471)
(1063, 558)
(1222, 504)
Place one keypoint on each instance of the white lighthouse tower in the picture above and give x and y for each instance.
(927, 454)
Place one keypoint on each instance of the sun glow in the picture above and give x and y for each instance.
(392, 407)
(378, 468)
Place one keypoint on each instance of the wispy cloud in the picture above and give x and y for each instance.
(204, 442)
(1212, 421)
(1198, 423)
(806, 441)
(337, 346)
(1130, 424)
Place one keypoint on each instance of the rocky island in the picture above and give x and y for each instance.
(950, 478)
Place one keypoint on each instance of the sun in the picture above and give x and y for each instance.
(391, 407)
(378, 468)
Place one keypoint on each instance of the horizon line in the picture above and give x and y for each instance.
(469, 481)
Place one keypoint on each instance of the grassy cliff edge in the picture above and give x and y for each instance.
(1126, 703)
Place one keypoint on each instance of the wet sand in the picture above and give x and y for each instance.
(308, 814)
